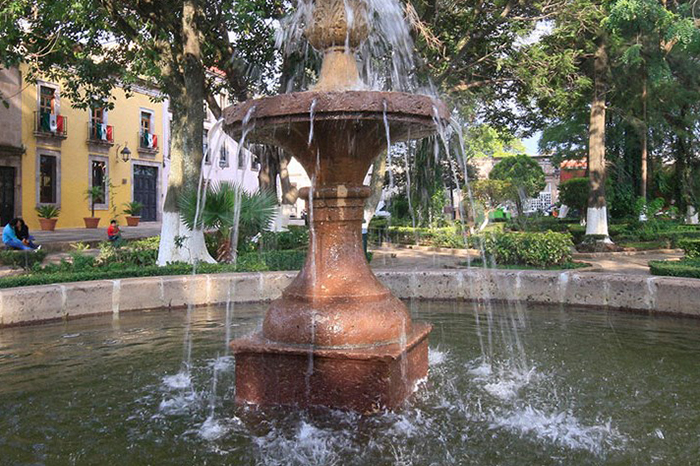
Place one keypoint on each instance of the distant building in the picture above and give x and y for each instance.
(221, 166)
(50, 152)
(572, 169)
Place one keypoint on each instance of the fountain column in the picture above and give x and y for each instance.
(337, 336)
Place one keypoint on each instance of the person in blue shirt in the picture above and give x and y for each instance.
(9, 236)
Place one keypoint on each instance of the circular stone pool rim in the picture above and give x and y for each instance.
(657, 295)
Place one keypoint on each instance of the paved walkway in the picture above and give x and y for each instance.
(74, 235)
(423, 258)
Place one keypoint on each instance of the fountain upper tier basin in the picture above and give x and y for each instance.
(345, 125)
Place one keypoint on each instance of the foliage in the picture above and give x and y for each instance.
(22, 259)
(219, 210)
(143, 252)
(534, 249)
(689, 268)
(67, 272)
(492, 192)
(294, 238)
(446, 237)
(93, 195)
(133, 208)
(691, 247)
(574, 193)
(525, 175)
(47, 211)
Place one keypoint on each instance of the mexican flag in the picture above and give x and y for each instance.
(110, 135)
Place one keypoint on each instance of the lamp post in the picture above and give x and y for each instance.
(125, 153)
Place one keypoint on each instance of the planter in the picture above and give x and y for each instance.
(132, 221)
(48, 224)
(91, 222)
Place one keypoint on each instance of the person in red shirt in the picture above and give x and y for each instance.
(113, 233)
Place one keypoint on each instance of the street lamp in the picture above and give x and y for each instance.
(125, 153)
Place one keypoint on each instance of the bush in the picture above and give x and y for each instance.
(68, 272)
(295, 238)
(142, 252)
(534, 249)
(22, 259)
(689, 268)
(691, 247)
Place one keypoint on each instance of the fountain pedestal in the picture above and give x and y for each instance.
(337, 336)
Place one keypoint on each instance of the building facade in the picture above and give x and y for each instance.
(64, 151)
(217, 167)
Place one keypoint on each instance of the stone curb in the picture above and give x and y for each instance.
(659, 295)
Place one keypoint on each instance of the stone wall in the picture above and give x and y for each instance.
(660, 295)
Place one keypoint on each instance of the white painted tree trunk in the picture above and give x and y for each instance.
(192, 249)
(691, 216)
(597, 222)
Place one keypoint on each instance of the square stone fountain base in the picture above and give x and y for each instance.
(363, 380)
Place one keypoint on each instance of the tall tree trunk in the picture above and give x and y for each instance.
(645, 131)
(597, 215)
(177, 242)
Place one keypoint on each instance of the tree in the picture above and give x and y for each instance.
(492, 193)
(524, 174)
(94, 45)
(574, 194)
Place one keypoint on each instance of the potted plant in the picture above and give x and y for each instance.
(48, 216)
(132, 210)
(92, 195)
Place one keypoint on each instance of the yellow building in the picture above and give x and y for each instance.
(61, 151)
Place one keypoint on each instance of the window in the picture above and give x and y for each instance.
(223, 156)
(47, 179)
(99, 178)
(205, 145)
(242, 154)
(145, 122)
(47, 100)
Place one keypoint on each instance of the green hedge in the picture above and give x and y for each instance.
(689, 268)
(533, 249)
(446, 237)
(61, 273)
(691, 247)
(22, 259)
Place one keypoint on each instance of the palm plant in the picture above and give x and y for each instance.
(217, 210)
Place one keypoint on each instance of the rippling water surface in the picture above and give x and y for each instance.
(506, 386)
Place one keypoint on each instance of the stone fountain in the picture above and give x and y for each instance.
(336, 337)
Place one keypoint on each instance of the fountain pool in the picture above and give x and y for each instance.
(587, 387)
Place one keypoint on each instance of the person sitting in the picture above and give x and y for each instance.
(113, 233)
(9, 236)
(24, 236)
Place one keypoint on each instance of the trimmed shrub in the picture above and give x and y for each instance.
(295, 238)
(534, 249)
(689, 268)
(691, 247)
(22, 259)
(67, 272)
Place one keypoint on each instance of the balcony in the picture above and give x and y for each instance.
(99, 133)
(50, 125)
(148, 143)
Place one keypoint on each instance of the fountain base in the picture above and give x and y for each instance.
(358, 379)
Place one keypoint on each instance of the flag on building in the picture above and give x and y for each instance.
(53, 123)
